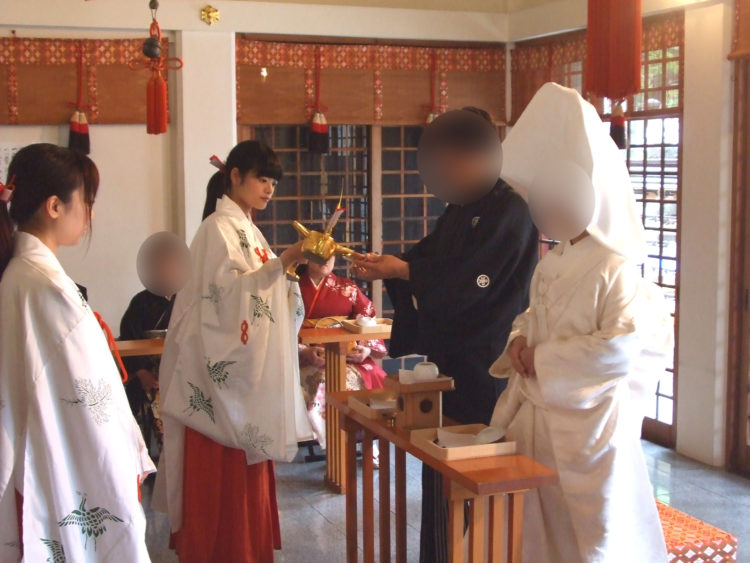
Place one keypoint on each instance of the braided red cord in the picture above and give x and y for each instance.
(112, 346)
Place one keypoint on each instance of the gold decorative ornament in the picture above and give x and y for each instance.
(319, 246)
(210, 15)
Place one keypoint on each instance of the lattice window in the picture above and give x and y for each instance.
(312, 184)
(409, 210)
(653, 160)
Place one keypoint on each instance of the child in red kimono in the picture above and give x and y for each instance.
(327, 295)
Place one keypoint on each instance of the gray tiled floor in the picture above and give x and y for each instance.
(313, 522)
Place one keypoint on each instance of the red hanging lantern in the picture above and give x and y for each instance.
(156, 90)
(613, 56)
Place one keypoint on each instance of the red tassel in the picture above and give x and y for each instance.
(112, 346)
(156, 104)
(617, 127)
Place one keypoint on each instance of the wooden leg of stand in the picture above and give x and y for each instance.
(368, 499)
(400, 505)
(351, 494)
(497, 528)
(515, 526)
(335, 381)
(384, 527)
(455, 530)
(476, 529)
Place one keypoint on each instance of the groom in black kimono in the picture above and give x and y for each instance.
(457, 292)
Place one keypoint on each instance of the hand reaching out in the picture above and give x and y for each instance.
(380, 267)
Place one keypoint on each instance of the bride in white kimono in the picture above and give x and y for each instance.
(229, 375)
(71, 455)
(586, 356)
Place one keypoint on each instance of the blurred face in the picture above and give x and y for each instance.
(460, 157)
(163, 264)
(562, 200)
(318, 271)
(71, 220)
(251, 192)
(460, 177)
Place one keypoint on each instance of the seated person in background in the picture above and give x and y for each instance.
(327, 295)
(163, 262)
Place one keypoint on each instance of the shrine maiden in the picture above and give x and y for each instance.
(229, 376)
(585, 358)
(71, 455)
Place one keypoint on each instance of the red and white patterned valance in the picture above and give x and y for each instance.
(365, 83)
(38, 80)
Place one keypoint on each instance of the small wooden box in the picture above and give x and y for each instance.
(419, 404)
(362, 404)
(383, 325)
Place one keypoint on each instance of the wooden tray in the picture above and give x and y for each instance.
(383, 325)
(362, 405)
(442, 383)
(425, 438)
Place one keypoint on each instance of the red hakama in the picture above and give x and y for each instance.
(229, 507)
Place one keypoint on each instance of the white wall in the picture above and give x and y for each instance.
(262, 17)
(564, 15)
(206, 113)
(133, 202)
(705, 230)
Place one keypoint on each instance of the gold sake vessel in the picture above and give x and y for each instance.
(319, 247)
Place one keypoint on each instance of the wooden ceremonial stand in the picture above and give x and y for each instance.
(490, 484)
(336, 342)
(147, 347)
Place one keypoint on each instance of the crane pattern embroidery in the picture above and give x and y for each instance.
(84, 303)
(56, 551)
(91, 521)
(218, 371)
(215, 293)
(261, 309)
(300, 311)
(199, 402)
(252, 439)
(244, 243)
(95, 396)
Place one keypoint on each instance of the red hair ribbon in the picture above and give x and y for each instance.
(216, 161)
(6, 190)
(112, 346)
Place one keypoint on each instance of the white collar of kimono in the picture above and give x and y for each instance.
(560, 158)
(227, 206)
(28, 245)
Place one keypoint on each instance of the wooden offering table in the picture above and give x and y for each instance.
(486, 482)
(147, 347)
(336, 342)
